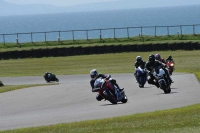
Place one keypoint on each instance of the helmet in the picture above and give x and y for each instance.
(93, 74)
(139, 58)
(157, 56)
(170, 57)
(152, 58)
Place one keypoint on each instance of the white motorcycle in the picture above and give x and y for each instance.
(162, 79)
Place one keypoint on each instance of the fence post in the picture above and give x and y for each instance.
(155, 31)
(141, 31)
(114, 33)
(45, 36)
(17, 41)
(181, 30)
(31, 37)
(87, 34)
(127, 32)
(100, 35)
(58, 36)
(4, 40)
(168, 30)
(193, 29)
(73, 35)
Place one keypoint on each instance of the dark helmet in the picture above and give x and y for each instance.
(93, 74)
(170, 57)
(138, 58)
(152, 58)
(157, 56)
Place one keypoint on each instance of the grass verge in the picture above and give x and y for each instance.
(7, 88)
(186, 61)
(93, 42)
(179, 120)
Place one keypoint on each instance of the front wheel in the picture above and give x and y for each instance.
(57, 79)
(124, 99)
(141, 85)
(167, 90)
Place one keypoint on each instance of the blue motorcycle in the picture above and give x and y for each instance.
(141, 76)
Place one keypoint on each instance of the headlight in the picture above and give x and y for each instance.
(171, 64)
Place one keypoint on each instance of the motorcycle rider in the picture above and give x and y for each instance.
(141, 63)
(48, 75)
(153, 63)
(170, 59)
(94, 75)
(158, 57)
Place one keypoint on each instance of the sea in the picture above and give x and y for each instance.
(105, 24)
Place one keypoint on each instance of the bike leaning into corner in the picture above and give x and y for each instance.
(109, 91)
(50, 77)
(141, 76)
(162, 79)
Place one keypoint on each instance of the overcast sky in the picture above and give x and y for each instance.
(56, 2)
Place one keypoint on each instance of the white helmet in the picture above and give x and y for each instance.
(93, 74)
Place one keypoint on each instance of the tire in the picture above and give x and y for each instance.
(142, 82)
(167, 90)
(108, 96)
(125, 99)
(57, 79)
(141, 86)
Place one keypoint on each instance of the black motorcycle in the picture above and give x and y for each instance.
(1, 83)
(50, 77)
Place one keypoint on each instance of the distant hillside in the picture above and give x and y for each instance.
(16, 9)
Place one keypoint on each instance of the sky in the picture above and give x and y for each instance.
(56, 2)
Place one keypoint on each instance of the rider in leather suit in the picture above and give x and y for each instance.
(94, 75)
(159, 58)
(150, 65)
(139, 62)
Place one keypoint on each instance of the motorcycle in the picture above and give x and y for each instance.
(141, 76)
(109, 91)
(170, 66)
(50, 77)
(1, 83)
(162, 79)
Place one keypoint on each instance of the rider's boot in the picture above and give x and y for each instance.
(120, 89)
(156, 84)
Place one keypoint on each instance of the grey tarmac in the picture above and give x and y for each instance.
(72, 100)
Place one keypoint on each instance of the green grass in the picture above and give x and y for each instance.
(179, 120)
(7, 88)
(186, 61)
(93, 42)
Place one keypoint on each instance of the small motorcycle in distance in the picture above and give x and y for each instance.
(109, 91)
(1, 83)
(50, 77)
(162, 79)
(170, 66)
(141, 76)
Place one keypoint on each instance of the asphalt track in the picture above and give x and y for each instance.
(72, 100)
